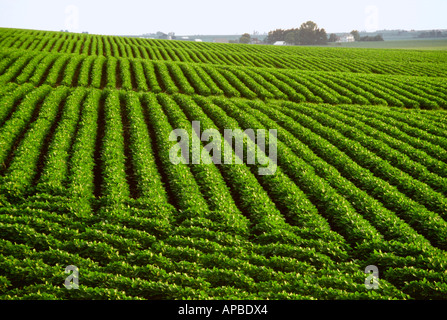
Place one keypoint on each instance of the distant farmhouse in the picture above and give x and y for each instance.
(346, 38)
(279, 43)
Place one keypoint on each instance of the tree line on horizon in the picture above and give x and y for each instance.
(307, 34)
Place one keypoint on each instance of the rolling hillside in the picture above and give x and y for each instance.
(86, 177)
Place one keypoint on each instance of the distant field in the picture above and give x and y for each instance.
(398, 44)
(87, 179)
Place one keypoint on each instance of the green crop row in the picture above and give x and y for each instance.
(336, 209)
(54, 172)
(209, 269)
(397, 158)
(114, 185)
(355, 144)
(23, 167)
(30, 68)
(225, 214)
(425, 221)
(190, 78)
(182, 185)
(412, 147)
(149, 183)
(11, 97)
(81, 181)
(380, 217)
(298, 209)
(17, 123)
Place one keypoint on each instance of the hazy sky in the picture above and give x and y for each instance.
(134, 17)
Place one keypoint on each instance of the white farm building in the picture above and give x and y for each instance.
(279, 43)
(346, 38)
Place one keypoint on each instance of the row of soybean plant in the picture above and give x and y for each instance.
(392, 187)
(333, 207)
(250, 83)
(424, 168)
(190, 194)
(167, 103)
(412, 179)
(415, 268)
(423, 134)
(427, 153)
(325, 177)
(26, 158)
(16, 121)
(92, 45)
(385, 220)
(343, 88)
(181, 272)
(260, 215)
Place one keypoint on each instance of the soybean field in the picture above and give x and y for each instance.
(86, 177)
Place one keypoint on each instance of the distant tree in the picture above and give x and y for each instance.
(321, 36)
(372, 38)
(276, 35)
(307, 34)
(245, 38)
(356, 35)
(292, 36)
(289, 38)
(310, 34)
(333, 37)
(432, 34)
